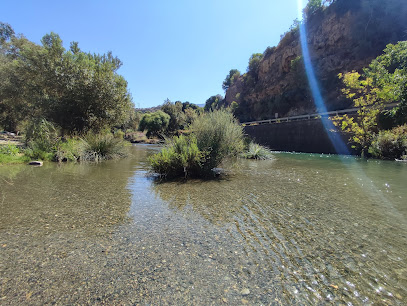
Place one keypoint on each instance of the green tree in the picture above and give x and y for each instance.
(234, 106)
(230, 79)
(190, 115)
(133, 120)
(254, 65)
(177, 116)
(389, 74)
(312, 7)
(365, 98)
(213, 103)
(384, 81)
(78, 91)
(6, 32)
(16, 103)
(186, 105)
(84, 85)
(155, 123)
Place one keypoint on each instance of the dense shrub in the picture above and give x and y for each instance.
(98, 147)
(34, 152)
(41, 135)
(214, 136)
(68, 150)
(135, 137)
(41, 138)
(390, 144)
(180, 157)
(119, 134)
(218, 135)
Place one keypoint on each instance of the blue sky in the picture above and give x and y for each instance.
(179, 49)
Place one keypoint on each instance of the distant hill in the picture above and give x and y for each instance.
(148, 109)
(156, 108)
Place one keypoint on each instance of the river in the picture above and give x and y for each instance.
(298, 229)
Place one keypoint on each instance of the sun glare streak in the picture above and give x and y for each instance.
(340, 147)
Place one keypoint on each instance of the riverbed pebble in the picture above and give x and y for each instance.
(245, 292)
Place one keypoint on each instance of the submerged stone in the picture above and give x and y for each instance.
(35, 163)
(245, 292)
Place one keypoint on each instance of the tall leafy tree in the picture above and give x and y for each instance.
(76, 90)
(177, 116)
(154, 123)
(384, 81)
(16, 102)
(84, 85)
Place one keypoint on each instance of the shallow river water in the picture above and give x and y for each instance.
(299, 229)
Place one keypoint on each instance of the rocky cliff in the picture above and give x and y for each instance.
(343, 37)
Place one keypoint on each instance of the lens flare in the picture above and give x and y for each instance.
(330, 129)
(340, 147)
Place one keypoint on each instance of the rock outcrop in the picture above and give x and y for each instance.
(343, 37)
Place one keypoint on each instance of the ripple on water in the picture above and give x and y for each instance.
(298, 229)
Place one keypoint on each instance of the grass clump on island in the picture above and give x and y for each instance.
(256, 151)
(214, 136)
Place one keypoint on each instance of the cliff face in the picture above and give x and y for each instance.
(345, 36)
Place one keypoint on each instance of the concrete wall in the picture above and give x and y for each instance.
(299, 136)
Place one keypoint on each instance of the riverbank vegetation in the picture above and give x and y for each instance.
(169, 119)
(72, 105)
(44, 143)
(375, 131)
(11, 154)
(68, 104)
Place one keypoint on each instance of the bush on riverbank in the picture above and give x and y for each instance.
(11, 154)
(391, 144)
(41, 138)
(68, 150)
(44, 143)
(98, 147)
(214, 137)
